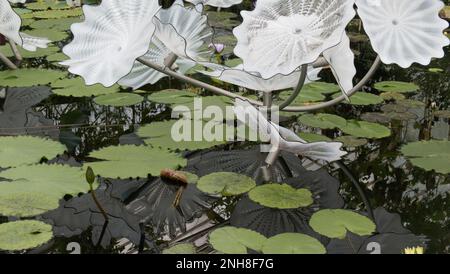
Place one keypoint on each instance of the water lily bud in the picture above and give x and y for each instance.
(90, 176)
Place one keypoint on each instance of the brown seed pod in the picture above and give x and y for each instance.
(173, 175)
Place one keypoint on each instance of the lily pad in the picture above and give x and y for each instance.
(195, 109)
(304, 97)
(180, 249)
(22, 150)
(57, 57)
(225, 183)
(442, 114)
(53, 35)
(364, 129)
(76, 87)
(312, 137)
(429, 155)
(395, 86)
(321, 87)
(293, 243)
(322, 121)
(119, 99)
(392, 96)
(159, 134)
(47, 5)
(335, 223)
(29, 77)
(56, 24)
(281, 196)
(172, 96)
(131, 161)
(351, 141)
(49, 14)
(40, 52)
(21, 235)
(232, 240)
(363, 99)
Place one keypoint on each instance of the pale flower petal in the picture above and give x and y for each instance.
(404, 32)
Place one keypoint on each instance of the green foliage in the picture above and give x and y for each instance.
(232, 240)
(281, 196)
(21, 235)
(293, 243)
(429, 155)
(225, 183)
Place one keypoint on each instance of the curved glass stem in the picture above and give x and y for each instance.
(7, 62)
(301, 83)
(223, 92)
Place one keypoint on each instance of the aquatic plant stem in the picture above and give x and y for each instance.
(223, 92)
(7, 62)
(99, 206)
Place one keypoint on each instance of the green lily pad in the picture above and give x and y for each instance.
(52, 34)
(197, 106)
(392, 96)
(429, 155)
(21, 235)
(55, 24)
(131, 161)
(281, 196)
(395, 86)
(159, 134)
(321, 87)
(351, 141)
(233, 240)
(225, 184)
(40, 52)
(119, 99)
(364, 129)
(323, 121)
(23, 203)
(180, 249)
(411, 103)
(29, 77)
(57, 57)
(172, 96)
(335, 223)
(363, 99)
(21, 150)
(313, 138)
(76, 87)
(293, 243)
(305, 97)
(53, 14)
(45, 5)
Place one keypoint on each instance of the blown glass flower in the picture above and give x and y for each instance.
(403, 31)
(284, 139)
(179, 30)
(216, 3)
(238, 76)
(281, 35)
(113, 35)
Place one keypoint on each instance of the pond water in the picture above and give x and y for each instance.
(420, 197)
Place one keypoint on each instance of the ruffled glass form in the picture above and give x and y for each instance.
(281, 35)
(113, 35)
(239, 77)
(216, 3)
(404, 32)
(9, 22)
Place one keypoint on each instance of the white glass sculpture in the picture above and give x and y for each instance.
(113, 35)
(284, 139)
(281, 35)
(9, 22)
(238, 76)
(17, 1)
(404, 31)
(216, 3)
(183, 30)
(141, 75)
(32, 43)
(179, 30)
(342, 62)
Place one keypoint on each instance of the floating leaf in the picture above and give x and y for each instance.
(29, 77)
(40, 52)
(351, 141)
(323, 121)
(56, 24)
(232, 240)
(53, 35)
(76, 87)
(57, 57)
(394, 86)
(16, 151)
(23, 203)
(225, 183)
(293, 243)
(180, 249)
(321, 87)
(131, 161)
(364, 129)
(21, 235)
(442, 114)
(429, 155)
(304, 97)
(119, 99)
(411, 103)
(46, 5)
(363, 99)
(281, 196)
(334, 223)
(53, 14)
(312, 137)
(392, 96)
(159, 134)
(172, 96)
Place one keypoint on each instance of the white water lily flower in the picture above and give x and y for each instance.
(216, 3)
(281, 35)
(179, 30)
(284, 139)
(404, 32)
(113, 35)
(342, 62)
(238, 76)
